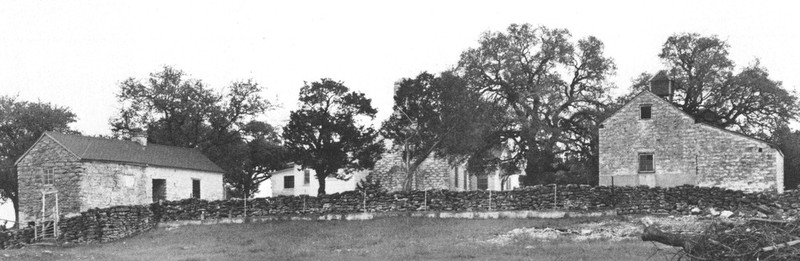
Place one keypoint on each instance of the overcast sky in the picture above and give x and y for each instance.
(75, 53)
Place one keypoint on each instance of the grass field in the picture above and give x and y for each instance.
(400, 238)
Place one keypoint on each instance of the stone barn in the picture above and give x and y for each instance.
(86, 172)
(651, 142)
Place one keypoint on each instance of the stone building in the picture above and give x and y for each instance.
(296, 181)
(86, 172)
(436, 173)
(651, 142)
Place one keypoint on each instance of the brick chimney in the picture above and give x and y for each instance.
(662, 85)
(139, 136)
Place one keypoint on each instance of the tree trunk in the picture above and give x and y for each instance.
(321, 179)
(15, 201)
(677, 240)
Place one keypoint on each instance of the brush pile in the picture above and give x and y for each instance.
(754, 239)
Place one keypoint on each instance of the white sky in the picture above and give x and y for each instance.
(75, 53)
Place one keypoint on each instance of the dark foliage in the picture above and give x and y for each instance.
(327, 133)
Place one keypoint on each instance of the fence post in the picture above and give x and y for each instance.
(365, 201)
(555, 196)
(490, 200)
(425, 203)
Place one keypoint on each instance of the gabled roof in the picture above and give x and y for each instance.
(99, 149)
(660, 76)
(646, 92)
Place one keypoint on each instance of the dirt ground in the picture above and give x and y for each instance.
(618, 229)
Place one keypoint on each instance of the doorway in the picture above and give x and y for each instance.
(159, 190)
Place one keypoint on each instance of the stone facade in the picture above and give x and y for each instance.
(433, 173)
(682, 151)
(436, 173)
(82, 184)
(44, 155)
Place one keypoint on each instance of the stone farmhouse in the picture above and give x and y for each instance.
(651, 142)
(64, 174)
(436, 173)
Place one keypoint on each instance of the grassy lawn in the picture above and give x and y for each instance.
(400, 238)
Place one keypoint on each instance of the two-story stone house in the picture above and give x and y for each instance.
(651, 142)
(86, 172)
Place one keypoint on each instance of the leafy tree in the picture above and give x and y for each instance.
(789, 143)
(21, 124)
(543, 80)
(707, 87)
(184, 112)
(326, 133)
(436, 115)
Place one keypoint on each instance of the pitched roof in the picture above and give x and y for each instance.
(646, 92)
(660, 76)
(91, 148)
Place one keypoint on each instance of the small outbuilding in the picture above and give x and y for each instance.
(651, 142)
(63, 174)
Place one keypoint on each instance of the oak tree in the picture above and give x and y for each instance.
(543, 79)
(328, 133)
(180, 111)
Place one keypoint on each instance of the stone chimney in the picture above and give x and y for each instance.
(662, 85)
(139, 136)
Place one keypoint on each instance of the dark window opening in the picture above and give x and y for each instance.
(455, 177)
(288, 182)
(195, 188)
(306, 176)
(646, 162)
(645, 111)
(760, 150)
(159, 190)
(483, 182)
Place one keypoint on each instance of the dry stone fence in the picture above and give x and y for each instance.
(102, 225)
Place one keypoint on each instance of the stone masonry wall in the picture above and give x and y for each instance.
(107, 184)
(433, 173)
(102, 225)
(44, 155)
(684, 152)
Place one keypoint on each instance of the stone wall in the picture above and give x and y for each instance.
(102, 225)
(48, 154)
(113, 184)
(433, 173)
(684, 152)
(626, 200)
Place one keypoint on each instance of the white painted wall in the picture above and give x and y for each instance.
(466, 181)
(179, 183)
(332, 185)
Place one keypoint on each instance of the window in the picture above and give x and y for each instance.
(306, 176)
(646, 162)
(49, 176)
(288, 182)
(455, 177)
(195, 188)
(483, 182)
(645, 111)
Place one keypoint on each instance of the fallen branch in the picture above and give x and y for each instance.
(781, 245)
(656, 235)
